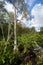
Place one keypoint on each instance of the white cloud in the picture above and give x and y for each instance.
(37, 11)
(9, 7)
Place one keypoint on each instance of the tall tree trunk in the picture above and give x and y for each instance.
(9, 27)
(15, 43)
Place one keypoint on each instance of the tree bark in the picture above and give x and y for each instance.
(15, 42)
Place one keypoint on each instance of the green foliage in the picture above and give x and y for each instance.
(24, 41)
(28, 39)
(6, 53)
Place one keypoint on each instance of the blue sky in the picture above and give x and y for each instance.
(32, 3)
(36, 10)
